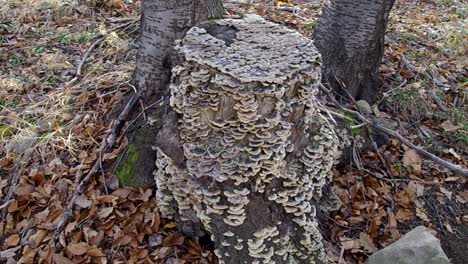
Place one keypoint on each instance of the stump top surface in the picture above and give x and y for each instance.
(250, 49)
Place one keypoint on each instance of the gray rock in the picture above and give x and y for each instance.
(364, 106)
(418, 246)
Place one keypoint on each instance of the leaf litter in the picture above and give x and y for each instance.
(54, 129)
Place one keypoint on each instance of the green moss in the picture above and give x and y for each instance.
(127, 170)
(214, 17)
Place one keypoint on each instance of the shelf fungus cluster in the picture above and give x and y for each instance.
(257, 149)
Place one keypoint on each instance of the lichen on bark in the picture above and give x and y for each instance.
(257, 150)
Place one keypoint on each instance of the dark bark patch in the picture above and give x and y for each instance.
(225, 33)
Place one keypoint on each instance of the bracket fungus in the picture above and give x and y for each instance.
(257, 149)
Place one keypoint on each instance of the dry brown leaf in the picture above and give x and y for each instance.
(78, 248)
(446, 192)
(13, 207)
(404, 214)
(465, 219)
(163, 252)
(452, 179)
(421, 213)
(42, 216)
(142, 254)
(24, 189)
(412, 158)
(174, 239)
(107, 198)
(350, 244)
(95, 252)
(70, 227)
(448, 227)
(392, 222)
(83, 202)
(27, 256)
(449, 127)
(37, 238)
(12, 240)
(122, 192)
(366, 242)
(59, 259)
(105, 212)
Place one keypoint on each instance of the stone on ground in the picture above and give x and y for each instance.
(418, 246)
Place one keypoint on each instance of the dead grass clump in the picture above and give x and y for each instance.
(54, 62)
(104, 4)
(11, 85)
(115, 44)
(410, 104)
(33, 10)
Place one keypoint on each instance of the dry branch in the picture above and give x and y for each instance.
(456, 168)
(110, 142)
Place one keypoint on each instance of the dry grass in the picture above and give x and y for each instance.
(40, 112)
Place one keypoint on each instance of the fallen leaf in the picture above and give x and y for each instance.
(449, 127)
(420, 212)
(404, 214)
(78, 248)
(95, 252)
(42, 216)
(452, 179)
(12, 240)
(83, 202)
(59, 259)
(107, 198)
(105, 212)
(37, 238)
(454, 153)
(122, 193)
(174, 239)
(366, 242)
(447, 193)
(24, 189)
(9, 253)
(449, 227)
(27, 256)
(412, 158)
(392, 221)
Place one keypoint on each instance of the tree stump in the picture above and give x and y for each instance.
(256, 149)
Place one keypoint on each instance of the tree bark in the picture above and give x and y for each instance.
(350, 36)
(215, 9)
(257, 151)
(162, 22)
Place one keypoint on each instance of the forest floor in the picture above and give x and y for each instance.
(54, 119)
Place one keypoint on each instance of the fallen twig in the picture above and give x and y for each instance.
(86, 55)
(438, 101)
(110, 142)
(98, 39)
(377, 151)
(444, 163)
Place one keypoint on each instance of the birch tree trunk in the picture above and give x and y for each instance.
(350, 36)
(162, 22)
